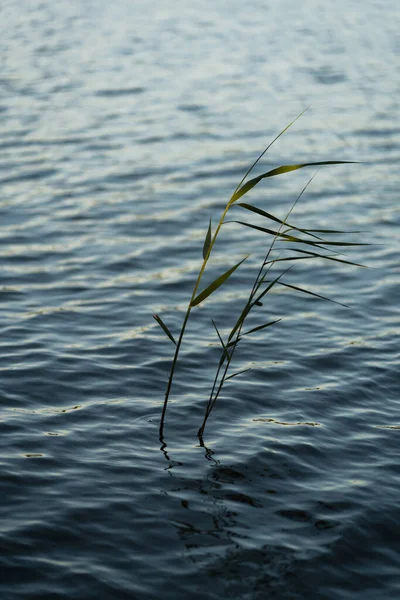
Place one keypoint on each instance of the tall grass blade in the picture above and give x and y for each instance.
(250, 169)
(215, 284)
(207, 242)
(330, 231)
(165, 328)
(267, 215)
(292, 238)
(315, 254)
(226, 353)
(280, 171)
(262, 326)
(238, 373)
(299, 289)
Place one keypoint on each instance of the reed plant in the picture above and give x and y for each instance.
(299, 244)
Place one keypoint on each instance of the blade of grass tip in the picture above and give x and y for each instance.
(315, 254)
(287, 258)
(280, 171)
(165, 328)
(226, 353)
(249, 170)
(238, 373)
(299, 289)
(263, 326)
(215, 284)
(207, 242)
(331, 231)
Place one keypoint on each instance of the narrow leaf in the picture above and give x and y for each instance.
(299, 289)
(292, 238)
(287, 258)
(329, 231)
(238, 373)
(263, 326)
(207, 241)
(315, 254)
(249, 170)
(280, 171)
(267, 215)
(219, 335)
(165, 328)
(215, 284)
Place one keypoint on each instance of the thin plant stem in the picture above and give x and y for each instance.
(200, 275)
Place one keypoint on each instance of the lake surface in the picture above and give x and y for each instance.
(125, 126)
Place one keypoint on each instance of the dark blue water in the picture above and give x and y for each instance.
(124, 127)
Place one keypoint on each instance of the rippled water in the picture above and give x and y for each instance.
(124, 126)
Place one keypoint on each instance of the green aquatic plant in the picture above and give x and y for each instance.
(262, 285)
(311, 244)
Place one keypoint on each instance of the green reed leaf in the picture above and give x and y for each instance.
(207, 242)
(238, 373)
(246, 187)
(215, 284)
(164, 327)
(331, 231)
(263, 326)
(219, 335)
(267, 215)
(316, 254)
(292, 238)
(225, 354)
(299, 289)
(287, 258)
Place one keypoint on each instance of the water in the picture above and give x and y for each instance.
(124, 126)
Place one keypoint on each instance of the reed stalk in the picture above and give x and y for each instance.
(196, 298)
